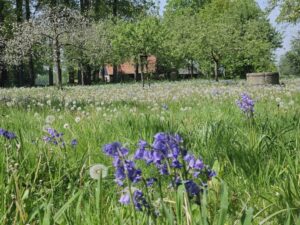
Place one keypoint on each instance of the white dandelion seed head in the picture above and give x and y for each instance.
(50, 119)
(97, 171)
(66, 126)
(77, 119)
(278, 99)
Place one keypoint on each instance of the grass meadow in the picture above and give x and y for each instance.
(256, 160)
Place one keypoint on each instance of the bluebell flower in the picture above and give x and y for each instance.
(176, 164)
(246, 104)
(163, 169)
(143, 144)
(54, 137)
(139, 154)
(160, 137)
(199, 165)
(120, 175)
(157, 157)
(148, 156)
(7, 134)
(150, 181)
(125, 199)
(188, 157)
(74, 143)
(211, 173)
(178, 180)
(10, 135)
(126, 168)
(196, 174)
(192, 188)
(139, 200)
(115, 149)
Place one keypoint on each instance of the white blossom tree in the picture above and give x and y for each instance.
(52, 25)
(90, 46)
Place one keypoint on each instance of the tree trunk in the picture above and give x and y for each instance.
(31, 71)
(19, 69)
(79, 75)
(96, 74)
(84, 5)
(192, 68)
(97, 9)
(3, 76)
(27, 8)
(216, 64)
(115, 15)
(87, 75)
(31, 63)
(148, 75)
(19, 75)
(115, 9)
(103, 73)
(115, 73)
(58, 66)
(136, 71)
(142, 74)
(71, 76)
(19, 11)
(50, 73)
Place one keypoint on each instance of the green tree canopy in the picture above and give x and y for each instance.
(289, 10)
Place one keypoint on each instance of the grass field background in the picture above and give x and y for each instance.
(256, 160)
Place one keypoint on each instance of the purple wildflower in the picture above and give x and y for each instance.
(125, 199)
(150, 181)
(139, 200)
(246, 104)
(192, 188)
(7, 134)
(54, 137)
(115, 149)
(163, 169)
(210, 173)
(176, 164)
(74, 143)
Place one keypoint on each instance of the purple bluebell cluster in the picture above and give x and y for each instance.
(7, 134)
(124, 168)
(163, 153)
(138, 198)
(56, 138)
(170, 161)
(246, 104)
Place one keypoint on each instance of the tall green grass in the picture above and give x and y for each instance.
(257, 164)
